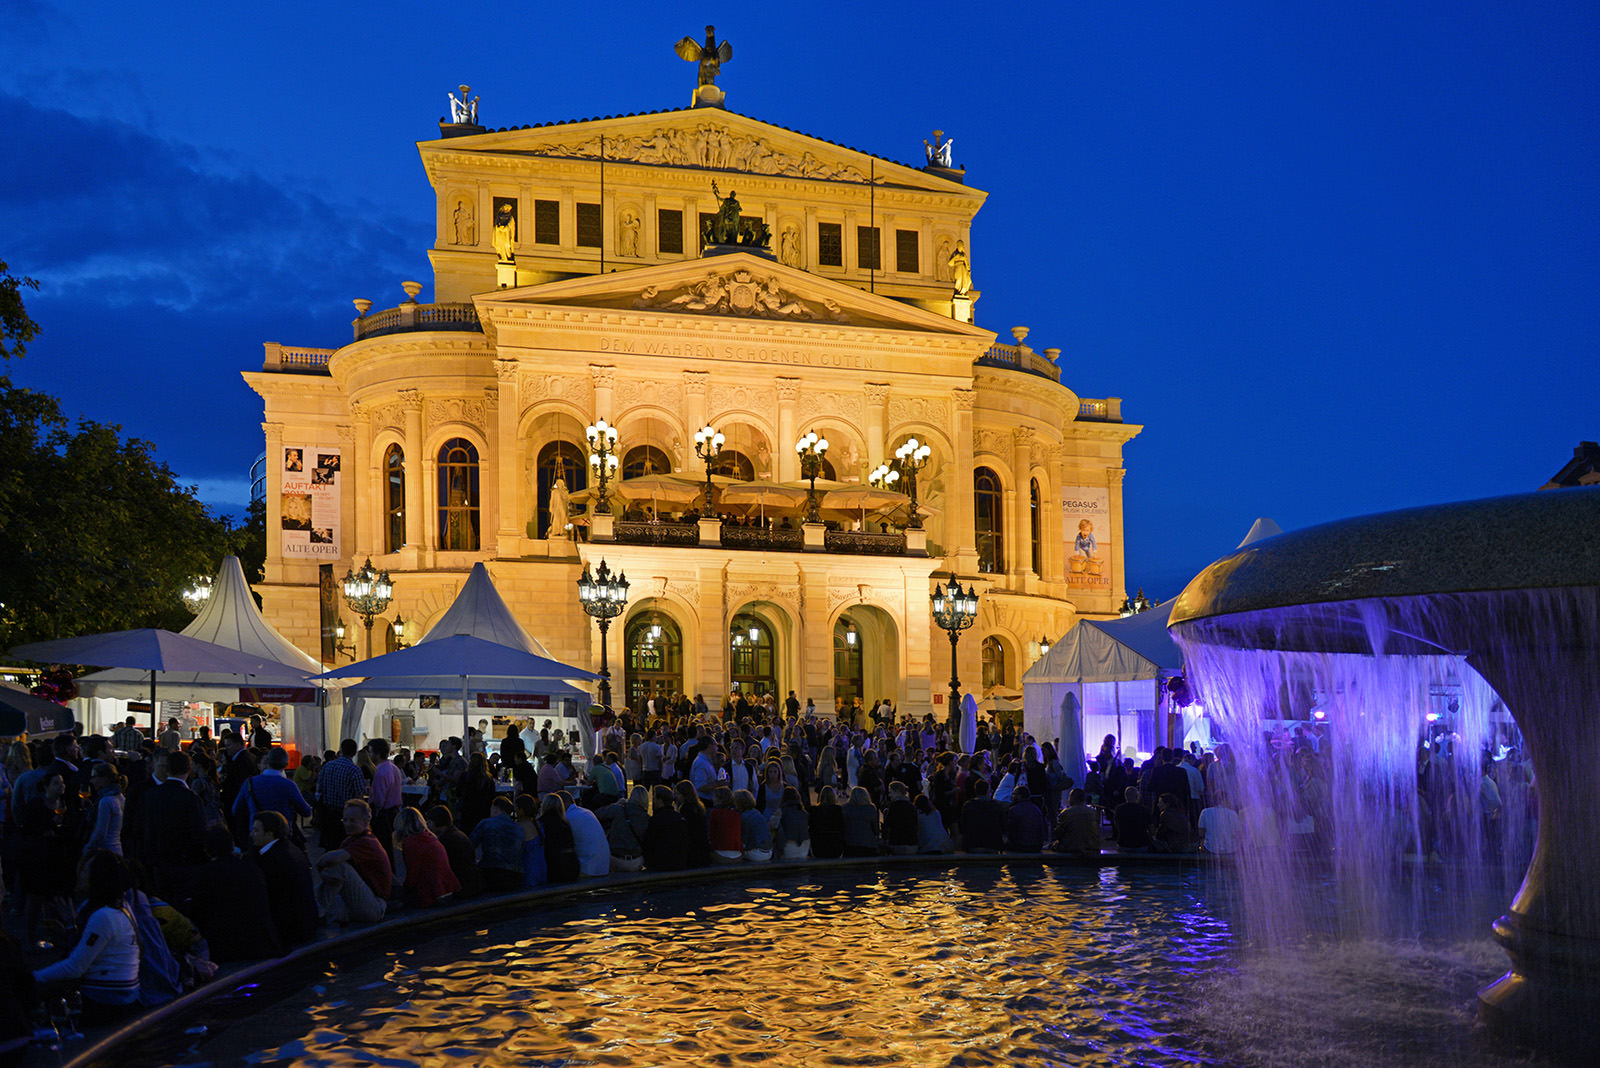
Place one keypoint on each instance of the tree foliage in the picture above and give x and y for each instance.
(16, 329)
(95, 533)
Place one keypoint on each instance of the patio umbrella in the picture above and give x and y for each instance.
(758, 495)
(862, 499)
(152, 649)
(969, 723)
(21, 711)
(461, 655)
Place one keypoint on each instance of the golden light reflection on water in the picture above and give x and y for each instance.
(977, 966)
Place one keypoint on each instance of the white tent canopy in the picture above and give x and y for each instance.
(480, 612)
(230, 618)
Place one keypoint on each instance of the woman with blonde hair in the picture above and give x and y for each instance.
(860, 825)
(428, 875)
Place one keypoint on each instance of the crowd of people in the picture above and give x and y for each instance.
(126, 847)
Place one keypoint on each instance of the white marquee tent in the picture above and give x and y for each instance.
(480, 612)
(230, 618)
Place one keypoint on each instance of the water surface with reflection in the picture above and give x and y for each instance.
(961, 966)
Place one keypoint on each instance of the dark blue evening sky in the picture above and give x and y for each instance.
(1336, 257)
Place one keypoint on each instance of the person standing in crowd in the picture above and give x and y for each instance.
(221, 891)
(106, 831)
(338, 781)
(384, 796)
(238, 767)
(128, 737)
(703, 772)
(172, 821)
(170, 739)
(260, 735)
(270, 791)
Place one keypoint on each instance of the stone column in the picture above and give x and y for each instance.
(959, 528)
(1119, 578)
(349, 491)
(877, 423)
(605, 380)
(1055, 529)
(411, 401)
(1022, 517)
(508, 459)
(367, 481)
(788, 461)
(274, 435)
(695, 411)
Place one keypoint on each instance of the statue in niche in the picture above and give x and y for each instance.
(505, 232)
(941, 261)
(849, 463)
(560, 511)
(466, 226)
(464, 111)
(763, 462)
(961, 270)
(677, 454)
(723, 227)
(628, 234)
(939, 150)
(789, 248)
(710, 56)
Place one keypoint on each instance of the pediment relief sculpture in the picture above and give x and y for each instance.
(740, 293)
(708, 145)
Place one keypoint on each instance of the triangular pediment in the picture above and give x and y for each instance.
(737, 285)
(709, 139)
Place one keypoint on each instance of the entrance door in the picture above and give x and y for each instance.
(753, 660)
(654, 660)
(847, 675)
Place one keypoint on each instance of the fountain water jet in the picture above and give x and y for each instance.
(1506, 590)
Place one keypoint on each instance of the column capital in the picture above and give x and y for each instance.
(411, 400)
(604, 375)
(788, 389)
(361, 413)
(491, 397)
(506, 370)
(347, 433)
(877, 392)
(1022, 436)
(695, 383)
(273, 432)
(1114, 476)
(964, 398)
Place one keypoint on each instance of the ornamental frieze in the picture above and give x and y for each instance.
(456, 410)
(536, 386)
(918, 410)
(740, 293)
(742, 399)
(634, 391)
(710, 146)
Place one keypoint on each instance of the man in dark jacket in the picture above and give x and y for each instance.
(288, 876)
(172, 821)
(238, 768)
(983, 821)
(459, 848)
(227, 899)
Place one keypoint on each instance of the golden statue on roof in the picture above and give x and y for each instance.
(711, 56)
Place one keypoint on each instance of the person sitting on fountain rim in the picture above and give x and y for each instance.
(1077, 830)
(1172, 826)
(356, 877)
(1131, 823)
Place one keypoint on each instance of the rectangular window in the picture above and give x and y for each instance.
(670, 228)
(830, 244)
(867, 248)
(905, 251)
(591, 231)
(547, 222)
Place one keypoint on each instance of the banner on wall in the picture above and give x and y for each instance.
(309, 506)
(1086, 511)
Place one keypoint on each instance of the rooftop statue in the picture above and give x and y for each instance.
(711, 56)
(464, 111)
(939, 150)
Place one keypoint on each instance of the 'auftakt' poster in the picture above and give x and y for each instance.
(309, 506)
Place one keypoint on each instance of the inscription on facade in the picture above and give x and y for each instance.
(702, 350)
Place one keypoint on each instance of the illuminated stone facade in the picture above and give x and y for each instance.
(570, 285)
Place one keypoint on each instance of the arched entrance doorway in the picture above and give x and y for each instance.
(653, 647)
(752, 659)
(848, 683)
(866, 657)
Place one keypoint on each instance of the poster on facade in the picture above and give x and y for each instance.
(309, 506)
(1086, 512)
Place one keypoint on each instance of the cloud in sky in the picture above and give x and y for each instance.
(109, 214)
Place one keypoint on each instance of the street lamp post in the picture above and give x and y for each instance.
(1132, 606)
(603, 459)
(954, 610)
(707, 444)
(368, 592)
(811, 449)
(603, 597)
(911, 457)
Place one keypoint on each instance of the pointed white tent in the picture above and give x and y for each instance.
(231, 619)
(480, 612)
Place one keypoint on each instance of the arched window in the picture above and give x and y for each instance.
(994, 663)
(654, 648)
(644, 460)
(1036, 526)
(563, 460)
(458, 496)
(988, 509)
(394, 499)
(754, 670)
(734, 464)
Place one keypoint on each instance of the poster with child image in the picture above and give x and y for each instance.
(1086, 515)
